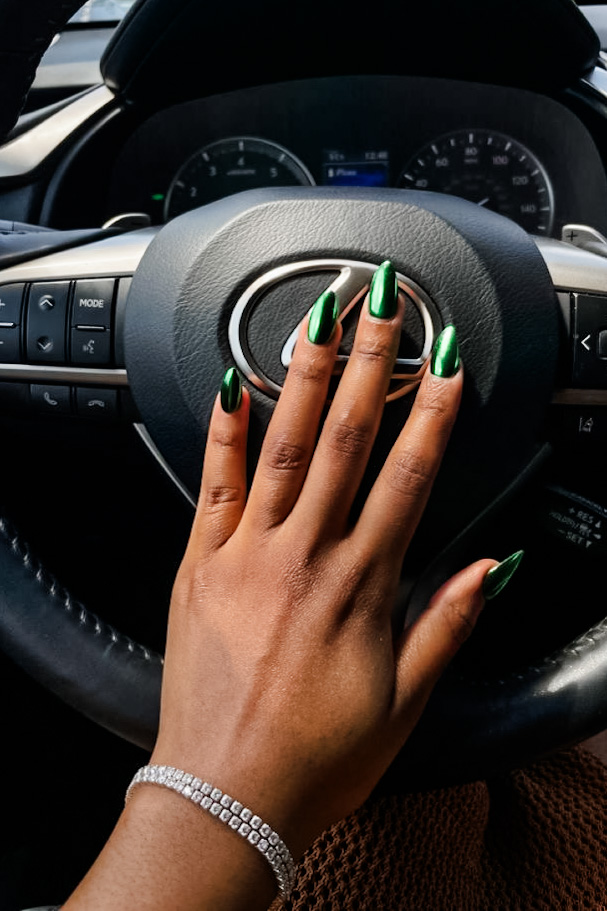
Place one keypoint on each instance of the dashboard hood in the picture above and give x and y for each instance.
(194, 48)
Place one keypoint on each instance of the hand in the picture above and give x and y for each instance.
(284, 685)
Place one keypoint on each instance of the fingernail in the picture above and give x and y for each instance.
(323, 317)
(445, 354)
(231, 391)
(498, 578)
(383, 297)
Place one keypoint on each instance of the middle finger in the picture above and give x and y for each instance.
(353, 420)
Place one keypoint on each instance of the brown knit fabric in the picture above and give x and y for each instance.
(535, 840)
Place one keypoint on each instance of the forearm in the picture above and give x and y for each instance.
(167, 853)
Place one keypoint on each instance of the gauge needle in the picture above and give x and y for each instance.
(483, 202)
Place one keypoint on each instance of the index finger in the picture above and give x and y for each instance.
(400, 493)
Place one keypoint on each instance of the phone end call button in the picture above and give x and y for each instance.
(97, 403)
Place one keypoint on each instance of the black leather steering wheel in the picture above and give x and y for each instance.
(228, 284)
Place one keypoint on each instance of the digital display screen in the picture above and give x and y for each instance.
(355, 169)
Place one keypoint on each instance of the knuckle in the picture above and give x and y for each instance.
(308, 372)
(459, 623)
(219, 495)
(375, 349)
(224, 439)
(349, 439)
(283, 455)
(434, 405)
(411, 473)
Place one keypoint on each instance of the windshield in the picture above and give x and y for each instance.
(102, 11)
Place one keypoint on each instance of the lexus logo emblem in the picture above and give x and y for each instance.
(350, 286)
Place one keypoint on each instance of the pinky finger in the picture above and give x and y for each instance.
(223, 490)
(425, 650)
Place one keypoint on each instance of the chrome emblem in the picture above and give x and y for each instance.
(350, 286)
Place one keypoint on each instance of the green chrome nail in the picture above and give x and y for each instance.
(323, 317)
(498, 578)
(445, 354)
(231, 390)
(383, 297)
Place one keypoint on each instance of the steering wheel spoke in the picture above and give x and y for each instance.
(62, 327)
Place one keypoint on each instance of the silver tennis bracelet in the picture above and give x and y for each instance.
(229, 811)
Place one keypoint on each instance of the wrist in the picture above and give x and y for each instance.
(225, 810)
(271, 792)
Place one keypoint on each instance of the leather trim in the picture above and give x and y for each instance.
(478, 728)
(97, 670)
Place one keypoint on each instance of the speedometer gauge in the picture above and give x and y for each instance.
(489, 169)
(229, 166)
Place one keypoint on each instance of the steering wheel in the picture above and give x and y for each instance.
(228, 284)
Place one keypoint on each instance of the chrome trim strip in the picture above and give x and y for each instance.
(28, 150)
(164, 465)
(117, 255)
(46, 373)
(353, 280)
(580, 397)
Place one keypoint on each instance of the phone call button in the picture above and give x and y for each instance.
(50, 399)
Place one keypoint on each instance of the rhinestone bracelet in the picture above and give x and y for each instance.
(229, 811)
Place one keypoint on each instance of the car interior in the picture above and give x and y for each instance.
(178, 183)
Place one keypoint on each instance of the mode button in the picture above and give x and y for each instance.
(92, 302)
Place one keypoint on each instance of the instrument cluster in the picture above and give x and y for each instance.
(486, 167)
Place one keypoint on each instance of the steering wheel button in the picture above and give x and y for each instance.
(589, 341)
(97, 403)
(9, 345)
(601, 344)
(46, 302)
(11, 299)
(51, 399)
(92, 303)
(91, 346)
(46, 316)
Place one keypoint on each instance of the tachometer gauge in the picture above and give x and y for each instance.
(229, 166)
(490, 169)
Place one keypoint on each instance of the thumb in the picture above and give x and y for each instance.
(426, 648)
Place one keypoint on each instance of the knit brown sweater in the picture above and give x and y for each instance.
(534, 840)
